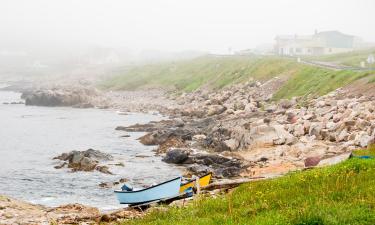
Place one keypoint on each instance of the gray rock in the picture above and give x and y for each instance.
(176, 156)
(83, 160)
(87, 164)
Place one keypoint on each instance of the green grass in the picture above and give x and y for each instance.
(349, 59)
(340, 194)
(369, 151)
(372, 80)
(316, 81)
(217, 72)
(210, 71)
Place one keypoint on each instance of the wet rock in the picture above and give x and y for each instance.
(61, 165)
(176, 156)
(160, 136)
(84, 160)
(103, 169)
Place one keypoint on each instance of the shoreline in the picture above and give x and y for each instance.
(267, 138)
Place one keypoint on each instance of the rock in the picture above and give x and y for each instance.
(160, 136)
(308, 117)
(232, 144)
(103, 169)
(14, 211)
(292, 118)
(80, 97)
(176, 156)
(61, 165)
(215, 110)
(73, 214)
(363, 139)
(312, 161)
(350, 123)
(299, 130)
(335, 159)
(271, 108)
(343, 136)
(84, 160)
(266, 136)
(315, 130)
(321, 103)
(120, 215)
(85, 164)
(286, 104)
(76, 158)
(199, 137)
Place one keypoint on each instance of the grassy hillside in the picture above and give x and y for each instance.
(341, 194)
(217, 72)
(189, 75)
(349, 59)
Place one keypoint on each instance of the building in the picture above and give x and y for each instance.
(320, 43)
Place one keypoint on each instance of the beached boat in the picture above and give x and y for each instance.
(167, 189)
(203, 181)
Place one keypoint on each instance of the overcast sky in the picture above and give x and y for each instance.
(174, 25)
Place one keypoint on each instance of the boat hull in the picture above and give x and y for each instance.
(163, 190)
(203, 181)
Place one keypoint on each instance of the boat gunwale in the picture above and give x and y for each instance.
(191, 181)
(121, 191)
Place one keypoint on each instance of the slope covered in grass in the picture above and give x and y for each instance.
(349, 59)
(341, 194)
(216, 72)
(213, 71)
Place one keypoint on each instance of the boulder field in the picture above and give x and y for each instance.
(244, 123)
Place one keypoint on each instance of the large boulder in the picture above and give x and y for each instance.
(84, 160)
(79, 97)
(269, 135)
(176, 156)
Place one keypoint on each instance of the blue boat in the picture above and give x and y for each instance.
(167, 189)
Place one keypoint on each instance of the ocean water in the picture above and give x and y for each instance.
(30, 136)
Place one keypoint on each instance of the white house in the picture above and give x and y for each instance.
(322, 43)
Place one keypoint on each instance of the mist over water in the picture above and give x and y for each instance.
(31, 136)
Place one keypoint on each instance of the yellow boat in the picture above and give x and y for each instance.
(203, 181)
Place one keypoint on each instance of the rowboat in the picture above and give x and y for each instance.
(167, 189)
(203, 181)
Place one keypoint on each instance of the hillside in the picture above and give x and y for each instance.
(216, 72)
(348, 59)
(340, 194)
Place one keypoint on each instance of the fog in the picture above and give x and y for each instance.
(62, 33)
(210, 25)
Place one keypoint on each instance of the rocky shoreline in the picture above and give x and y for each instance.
(14, 211)
(236, 132)
(241, 123)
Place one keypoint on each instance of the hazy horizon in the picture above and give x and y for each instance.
(210, 26)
